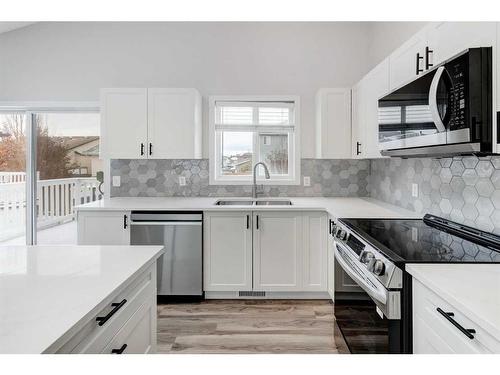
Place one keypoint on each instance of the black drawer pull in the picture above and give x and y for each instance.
(248, 221)
(449, 317)
(257, 221)
(142, 149)
(125, 222)
(116, 306)
(119, 351)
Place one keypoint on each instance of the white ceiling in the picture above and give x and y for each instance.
(9, 26)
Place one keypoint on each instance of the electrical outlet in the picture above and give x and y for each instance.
(117, 181)
(182, 181)
(307, 181)
(414, 190)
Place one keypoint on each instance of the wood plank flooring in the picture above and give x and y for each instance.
(249, 326)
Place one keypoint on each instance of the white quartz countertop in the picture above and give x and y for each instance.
(337, 207)
(47, 291)
(473, 289)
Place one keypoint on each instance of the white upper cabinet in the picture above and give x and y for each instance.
(404, 61)
(446, 39)
(124, 123)
(365, 97)
(151, 123)
(376, 85)
(174, 124)
(333, 123)
(357, 128)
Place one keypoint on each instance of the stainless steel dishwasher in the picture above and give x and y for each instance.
(180, 268)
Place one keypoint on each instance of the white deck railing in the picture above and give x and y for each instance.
(55, 203)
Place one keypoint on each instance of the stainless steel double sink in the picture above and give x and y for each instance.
(253, 202)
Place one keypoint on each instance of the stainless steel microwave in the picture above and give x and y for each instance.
(445, 111)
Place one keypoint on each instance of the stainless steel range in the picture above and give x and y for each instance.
(373, 252)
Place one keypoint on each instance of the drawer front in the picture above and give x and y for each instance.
(92, 338)
(433, 333)
(138, 335)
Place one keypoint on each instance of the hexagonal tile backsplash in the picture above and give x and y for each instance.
(464, 189)
(154, 178)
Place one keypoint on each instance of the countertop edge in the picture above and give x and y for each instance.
(52, 348)
(419, 274)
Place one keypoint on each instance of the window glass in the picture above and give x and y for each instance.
(237, 153)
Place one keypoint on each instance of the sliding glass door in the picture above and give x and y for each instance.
(13, 140)
(49, 161)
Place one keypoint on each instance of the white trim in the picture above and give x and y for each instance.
(90, 106)
(294, 136)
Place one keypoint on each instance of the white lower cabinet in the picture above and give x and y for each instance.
(227, 251)
(279, 251)
(103, 227)
(330, 263)
(123, 323)
(315, 247)
(434, 333)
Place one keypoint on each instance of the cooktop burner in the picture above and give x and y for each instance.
(430, 240)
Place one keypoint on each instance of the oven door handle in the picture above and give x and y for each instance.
(375, 294)
(433, 100)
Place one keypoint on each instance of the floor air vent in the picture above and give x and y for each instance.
(252, 294)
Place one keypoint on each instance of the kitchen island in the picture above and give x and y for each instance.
(78, 299)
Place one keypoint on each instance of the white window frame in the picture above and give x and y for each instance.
(215, 161)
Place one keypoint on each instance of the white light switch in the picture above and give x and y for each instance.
(116, 181)
(307, 181)
(182, 181)
(414, 190)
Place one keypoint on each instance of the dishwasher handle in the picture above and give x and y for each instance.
(167, 223)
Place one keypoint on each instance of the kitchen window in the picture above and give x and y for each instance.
(245, 131)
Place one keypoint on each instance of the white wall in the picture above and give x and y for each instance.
(71, 61)
(385, 37)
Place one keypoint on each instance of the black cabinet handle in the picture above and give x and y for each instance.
(418, 70)
(257, 221)
(116, 306)
(248, 221)
(449, 317)
(125, 222)
(150, 148)
(428, 51)
(330, 226)
(358, 150)
(119, 351)
(142, 149)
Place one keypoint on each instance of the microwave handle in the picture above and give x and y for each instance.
(433, 100)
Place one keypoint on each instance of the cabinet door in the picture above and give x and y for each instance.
(446, 39)
(331, 266)
(103, 228)
(174, 124)
(138, 335)
(277, 243)
(375, 85)
(333, 123)
(227, 251)
(403, 61)
(358, 129)
(314, 251)
(124, 123)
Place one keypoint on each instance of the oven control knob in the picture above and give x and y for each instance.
(366, 257)
(378, 267)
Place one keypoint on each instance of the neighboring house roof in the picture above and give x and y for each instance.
(74, 142)
(92, 151)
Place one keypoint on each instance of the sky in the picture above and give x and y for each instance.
(72, 124)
